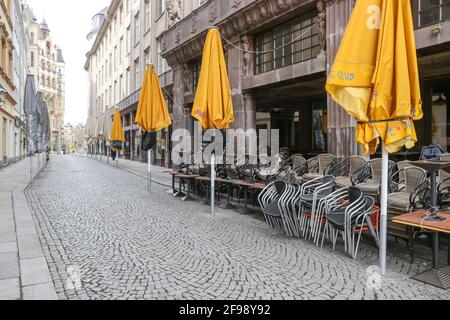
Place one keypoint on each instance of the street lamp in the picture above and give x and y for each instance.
(3, 94)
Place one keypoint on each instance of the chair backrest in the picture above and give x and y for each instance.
(325, 160)
(297, 161)
(444, 157)
(354, 194)
(414, 177)
(401, 167)
(356, 163)
(376, 166)
(313, 164)
(280, 186)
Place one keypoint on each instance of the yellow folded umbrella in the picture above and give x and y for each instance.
(117, 133)
(378, 82)
(152, 113)
(213, 105)
(375, 78)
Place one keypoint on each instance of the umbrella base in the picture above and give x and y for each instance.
(179, 194)
(187, 198)
(437, 278)
(228, 206)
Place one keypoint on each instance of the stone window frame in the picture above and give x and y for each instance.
(286, 55)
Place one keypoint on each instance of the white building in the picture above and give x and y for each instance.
(127, 39)
(20, 38)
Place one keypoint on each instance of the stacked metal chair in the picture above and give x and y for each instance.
(346, 169)
(349, 212)
(318, 166)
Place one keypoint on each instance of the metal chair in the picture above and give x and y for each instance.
(345, 169)
(269, 201)
(368, 178)
(311, 193)
(318, 166)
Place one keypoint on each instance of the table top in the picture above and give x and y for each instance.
(258, 186)
(187, 176)
(415, 219)
(432, 165)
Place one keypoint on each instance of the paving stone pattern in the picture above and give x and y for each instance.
(105, 237)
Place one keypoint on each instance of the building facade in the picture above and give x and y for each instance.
(51, 71)
(20, 70)
(9, 138)
(278, 54)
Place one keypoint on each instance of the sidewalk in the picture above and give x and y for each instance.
(24, 273)
(159, 175)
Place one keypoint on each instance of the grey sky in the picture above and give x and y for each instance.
(70, 22)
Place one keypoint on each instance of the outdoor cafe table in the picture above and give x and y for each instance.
(190, 178)
(207, 181)
(174, 175)
(229, 183)
(246, 186)
(438, 277)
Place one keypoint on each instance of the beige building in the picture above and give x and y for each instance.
(51, 70)
(7, 88)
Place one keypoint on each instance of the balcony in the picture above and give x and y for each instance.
(166, 80)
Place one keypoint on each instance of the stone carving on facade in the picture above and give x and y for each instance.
(236, 3)
(246, 55)
(194, 26)
(212, 12)
(178, 34)
(321, 8)
(187, 75)
(174, 11)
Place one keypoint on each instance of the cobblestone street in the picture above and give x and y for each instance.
(105, 237)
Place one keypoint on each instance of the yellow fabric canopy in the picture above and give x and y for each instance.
(213, 105)
(152, 113)
(375, 75)
(117, 133)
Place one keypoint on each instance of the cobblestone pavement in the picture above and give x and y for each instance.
(105, 237)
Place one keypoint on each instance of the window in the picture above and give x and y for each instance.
(116, 58)
(121, 50)
(128, 80)
(137, 28)
(128, 39)
(148, 56)
(148, 14)
(137, 71)
(433, 11)
(292, 42)
(161, 7)
(32, 59)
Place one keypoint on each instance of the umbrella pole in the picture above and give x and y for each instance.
(383, 203)
(149, 170)
(31, 168)
(213, 182)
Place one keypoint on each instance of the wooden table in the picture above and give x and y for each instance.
(174, 174)
(257, 187)
(202, 180)
(228, 205)
(438, 277)
(246, 186)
